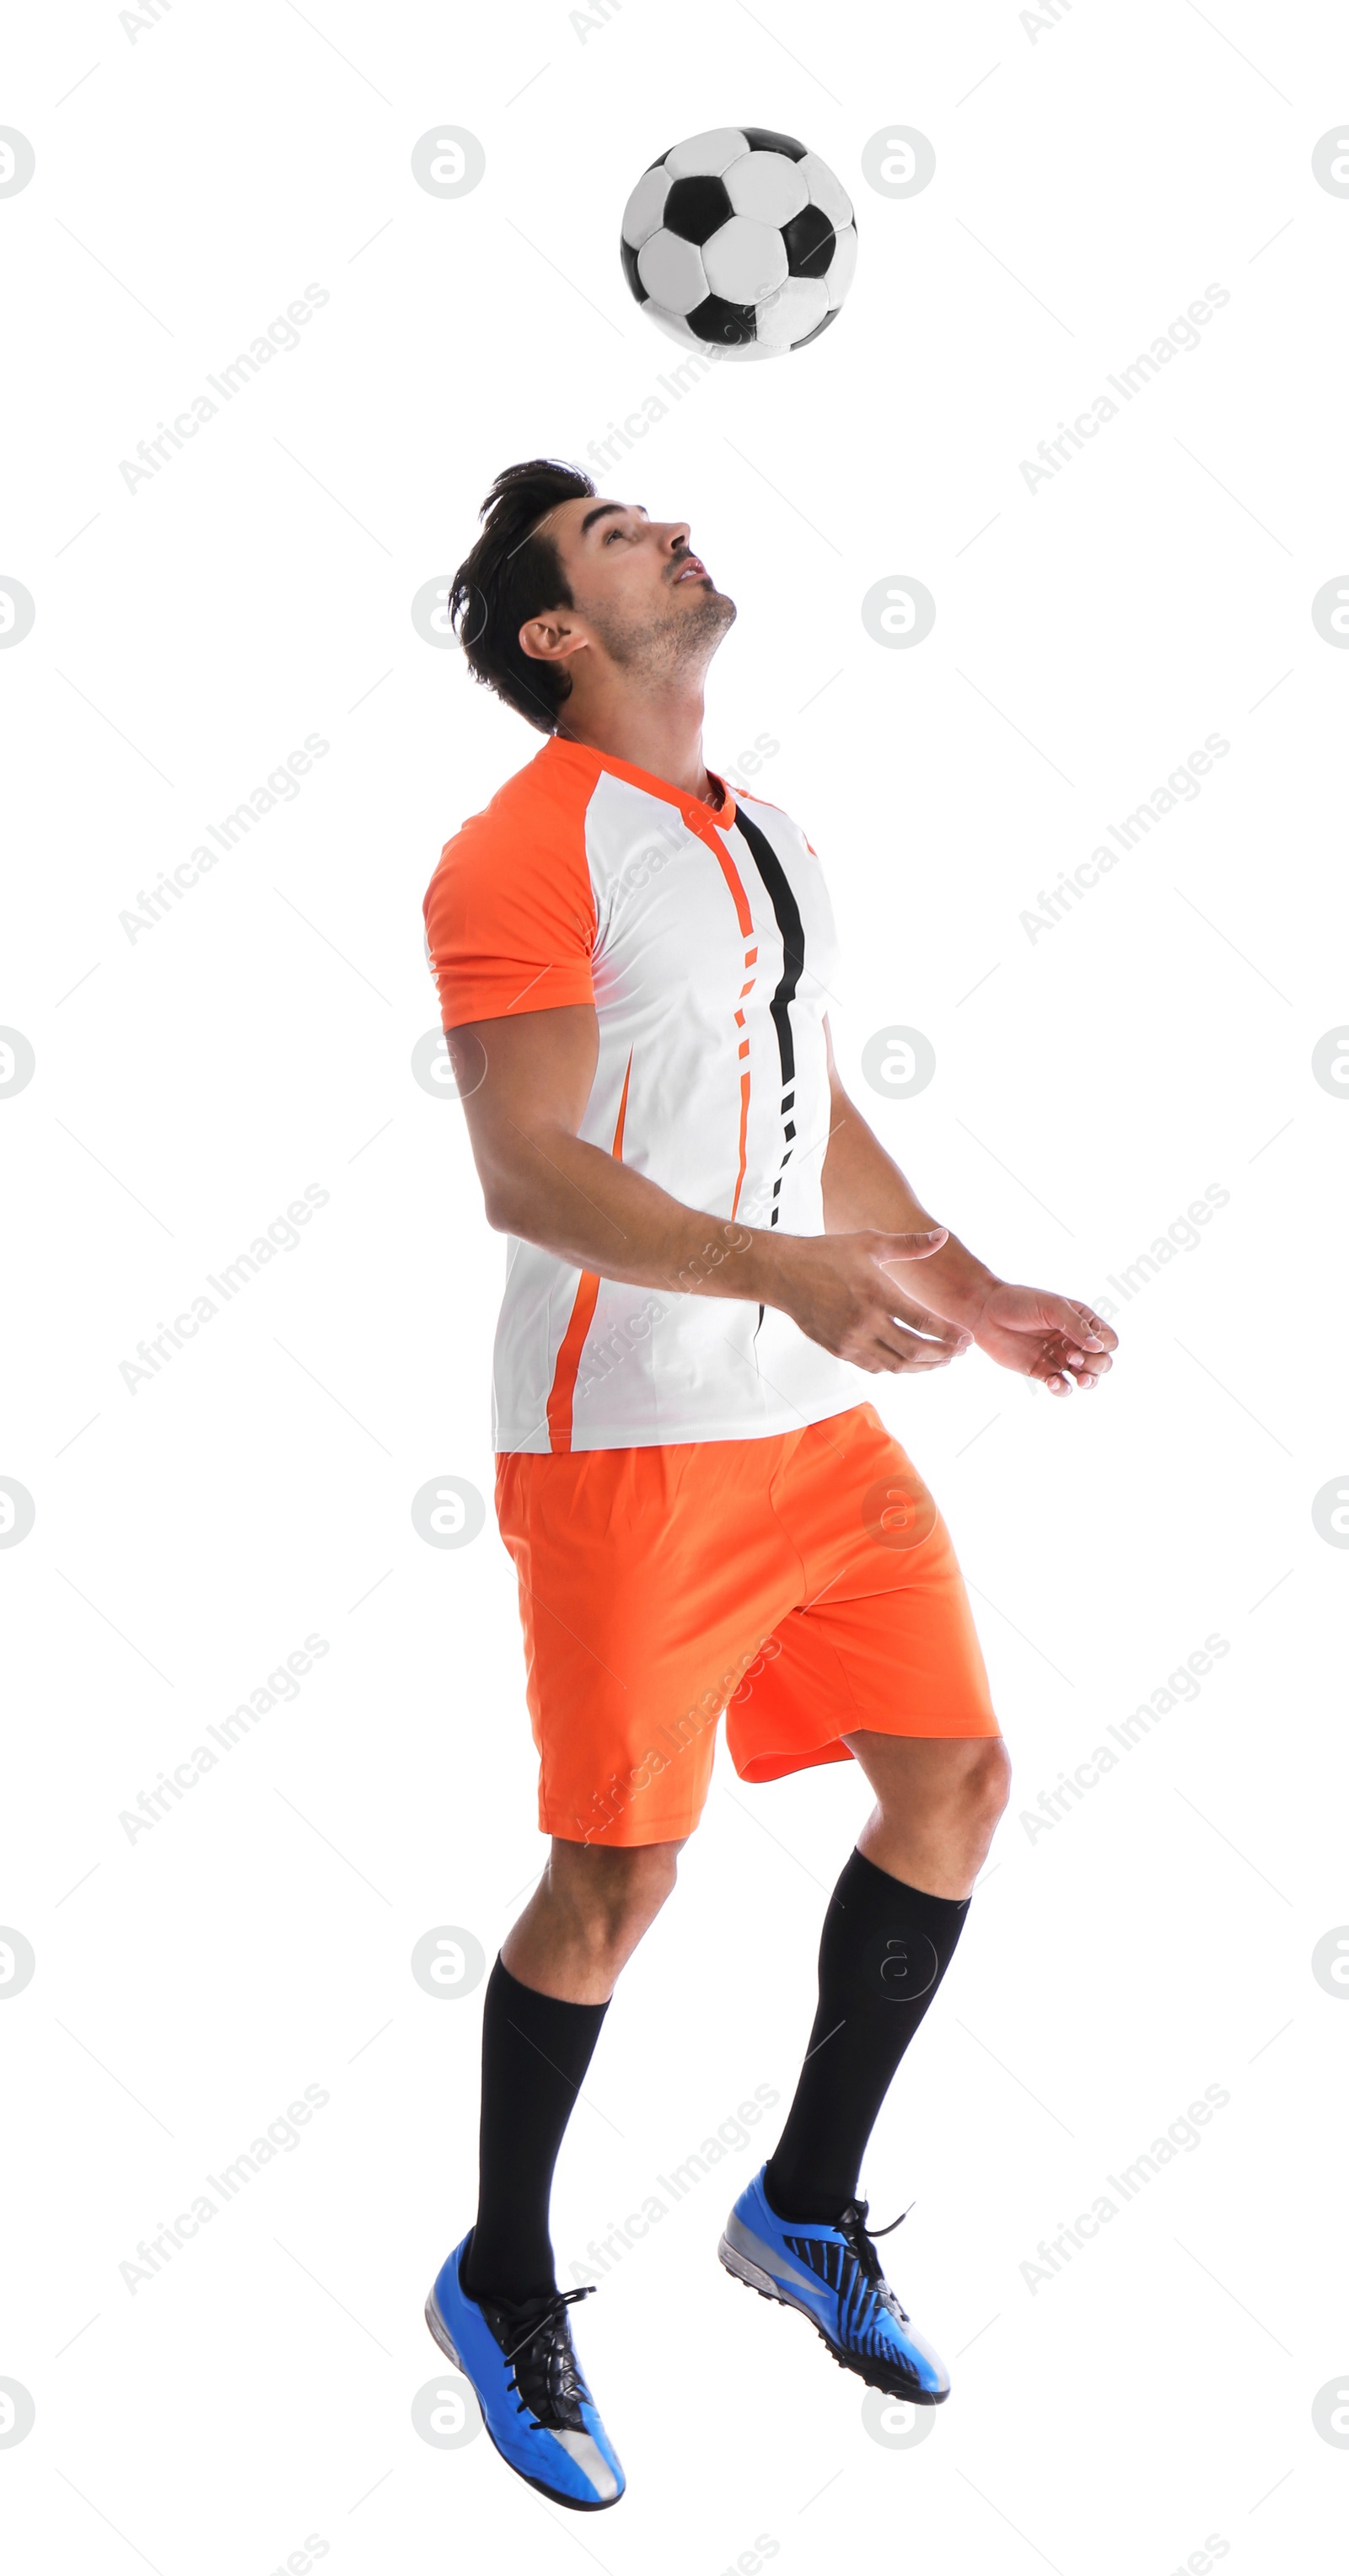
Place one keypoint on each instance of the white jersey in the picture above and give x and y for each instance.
(706, 943)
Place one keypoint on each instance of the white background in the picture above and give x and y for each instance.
(193, 176)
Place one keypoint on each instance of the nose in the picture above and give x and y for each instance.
(676, 536)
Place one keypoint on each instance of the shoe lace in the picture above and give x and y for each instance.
(547, 2375)
(861, 2240)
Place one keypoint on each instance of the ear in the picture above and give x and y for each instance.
(553, 637)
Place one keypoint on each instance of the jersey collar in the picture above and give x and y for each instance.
(697, 815)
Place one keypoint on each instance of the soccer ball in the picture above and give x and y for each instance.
(742, 238)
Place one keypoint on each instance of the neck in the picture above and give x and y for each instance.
(662, 733)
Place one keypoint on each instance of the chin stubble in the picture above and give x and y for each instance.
(685, 634)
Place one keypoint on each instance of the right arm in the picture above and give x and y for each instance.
(525, 1082)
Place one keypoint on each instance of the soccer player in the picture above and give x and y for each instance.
(705, 1241)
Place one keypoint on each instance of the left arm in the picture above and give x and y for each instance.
(1038, 1334)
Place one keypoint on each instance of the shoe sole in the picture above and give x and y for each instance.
(440, 2334)
(862, 2366)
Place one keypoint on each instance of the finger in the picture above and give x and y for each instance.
(1086, 1366)
(909, 1247)
(905, 1350)
(1078, 1324)
(1098, 1329)
(933, 1328)
(1064, 1366)
(905, 1310)
(1055, 1367)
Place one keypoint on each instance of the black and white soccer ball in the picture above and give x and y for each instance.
(741, 238)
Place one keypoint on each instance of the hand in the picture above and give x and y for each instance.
(837, 1287)
(1055, 1339)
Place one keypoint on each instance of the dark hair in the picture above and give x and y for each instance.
(510, 575)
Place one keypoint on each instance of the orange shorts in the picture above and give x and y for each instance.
(805, 1583)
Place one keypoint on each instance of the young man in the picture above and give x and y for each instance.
(633, 965)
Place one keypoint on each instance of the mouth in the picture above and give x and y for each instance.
(691, 568)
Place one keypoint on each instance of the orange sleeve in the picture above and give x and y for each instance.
(510, 911)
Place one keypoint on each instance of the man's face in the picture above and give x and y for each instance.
(640, 593)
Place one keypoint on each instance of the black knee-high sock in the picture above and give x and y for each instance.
(535, 2051)
(883, 1952)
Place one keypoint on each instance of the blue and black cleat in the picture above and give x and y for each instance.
(521, 2363)
(832, 2274)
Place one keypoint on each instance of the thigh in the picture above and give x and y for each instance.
(648, 1579)
(884, 1642)
(914, 1772)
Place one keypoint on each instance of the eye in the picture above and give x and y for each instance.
(612, 533)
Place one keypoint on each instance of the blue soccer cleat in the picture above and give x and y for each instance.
(833, 2275)
(521, 2362)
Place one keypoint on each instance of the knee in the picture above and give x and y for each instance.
(976, 1797)
(644, 1879)
(988, 1785)
(981, 1796)
(970, 1794)
(615, 1895)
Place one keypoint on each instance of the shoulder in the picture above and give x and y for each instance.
(535, 821)
(780, 827)
(510, 912)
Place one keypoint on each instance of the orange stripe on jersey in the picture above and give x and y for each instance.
(569, 1360)
(732, 875)
(582, 1316)
(622, 1112)
(746, 920)
(744, 1133)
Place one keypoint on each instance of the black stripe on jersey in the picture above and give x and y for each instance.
(793, 938)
